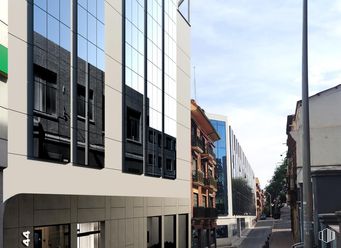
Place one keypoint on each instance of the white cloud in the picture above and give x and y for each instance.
(248, 66)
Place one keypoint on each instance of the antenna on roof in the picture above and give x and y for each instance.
(195, 84)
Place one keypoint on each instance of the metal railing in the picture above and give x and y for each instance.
(198, 142)
(198, 177)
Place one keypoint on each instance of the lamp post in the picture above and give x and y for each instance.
(269, 203)
(307, 187)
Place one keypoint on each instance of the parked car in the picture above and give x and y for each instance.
(262, 217)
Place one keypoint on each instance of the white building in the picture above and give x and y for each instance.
(95, 124)
(325, 131)
(232, 164)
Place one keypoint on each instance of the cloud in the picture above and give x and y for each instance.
(247, 56)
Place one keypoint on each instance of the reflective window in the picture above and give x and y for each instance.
(222, 231)
(221, 153)
(134, 38)
(51, 70)
(150, 68)
(89, 235)
(183, 230)
(153, 232)
(170, 234)
(52, 236)
(91, 64)
(154, 67)
(170, 66)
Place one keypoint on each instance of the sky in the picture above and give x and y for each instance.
(247, 59)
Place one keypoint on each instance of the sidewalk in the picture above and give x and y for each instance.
(281, 236)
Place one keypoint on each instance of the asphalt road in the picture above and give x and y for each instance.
(258, 235)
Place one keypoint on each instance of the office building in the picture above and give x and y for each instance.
(235, 199)
(204, 178)
(95, 123)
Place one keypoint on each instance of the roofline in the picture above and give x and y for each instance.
(206, 118)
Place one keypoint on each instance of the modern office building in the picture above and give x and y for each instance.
(95, 123)
(235, 199)
(204, 178)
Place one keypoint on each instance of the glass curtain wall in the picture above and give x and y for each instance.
(221, 153)
(90, 83)
(134, 44)
(170, 67)
(150, 87)
(154, 86)
(51, 80)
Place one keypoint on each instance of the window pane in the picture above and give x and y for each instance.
(40, 21)
(84, 3)
(65, 37)
(53, 29)
(41, 4)
(92, 54)
(100, 59)
(100, 35)
(92, 29)
(82, 48)
(57, 235)
(65, 12)
(51, 98)
(82, 22)
(92, 7)
(53, 8)
(100, 10)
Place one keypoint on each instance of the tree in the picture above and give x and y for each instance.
(243, 197)
(277, 187)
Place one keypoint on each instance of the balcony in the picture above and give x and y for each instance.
(209, 151)
(211, 182)
(198, 177)
(198, 144)
(204, 213)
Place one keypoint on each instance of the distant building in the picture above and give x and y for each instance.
(236, 206)
(204, 178)
(292, 195)
(325, 143)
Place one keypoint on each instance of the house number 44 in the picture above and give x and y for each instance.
(26, 241)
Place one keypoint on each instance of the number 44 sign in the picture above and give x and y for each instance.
(26, 241)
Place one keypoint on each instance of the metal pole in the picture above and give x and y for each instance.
(307, 187)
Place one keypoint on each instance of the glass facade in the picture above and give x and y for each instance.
(90, 83)
(150, 86)
(52, 55)
(134, 44)
(51, 79)
(154, 64)
(221, 152)
(170, 67)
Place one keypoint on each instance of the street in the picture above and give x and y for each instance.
(279, 231)
(258, 235)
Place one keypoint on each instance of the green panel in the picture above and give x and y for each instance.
(3, 60)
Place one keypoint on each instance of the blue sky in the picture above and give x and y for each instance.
(247, 56)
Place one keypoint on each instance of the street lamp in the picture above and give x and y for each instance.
(307, 187)
(269, 203)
